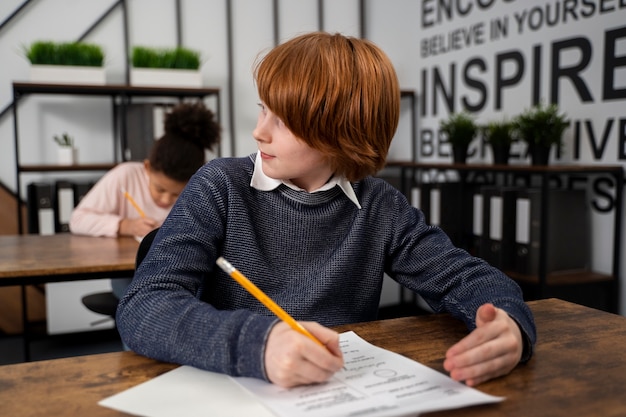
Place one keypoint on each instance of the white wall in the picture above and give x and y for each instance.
(399, 26)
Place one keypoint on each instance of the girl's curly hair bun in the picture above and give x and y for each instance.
(193, 122)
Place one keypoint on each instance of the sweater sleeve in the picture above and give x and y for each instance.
(99, 212)
(162, 315)
(104, 206)
(450, 279)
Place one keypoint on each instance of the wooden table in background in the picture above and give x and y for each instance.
(33, 259)
(579, 368)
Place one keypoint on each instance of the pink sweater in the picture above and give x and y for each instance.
(100, 211)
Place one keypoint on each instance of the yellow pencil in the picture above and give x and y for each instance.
(263, 298)
(133, 202)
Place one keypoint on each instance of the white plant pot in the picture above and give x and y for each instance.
(67, 74)
(67, 155)
(165, 77)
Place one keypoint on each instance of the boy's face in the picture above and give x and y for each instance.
(286, 157)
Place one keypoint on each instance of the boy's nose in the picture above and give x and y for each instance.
(259, 133)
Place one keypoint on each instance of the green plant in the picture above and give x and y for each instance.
(499, 133)
(67, 53)
(541, 125)
(460, 128)
(64, 140)
(176, 58)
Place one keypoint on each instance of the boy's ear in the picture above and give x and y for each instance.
(146, 165)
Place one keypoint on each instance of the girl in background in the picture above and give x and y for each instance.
(154, 184)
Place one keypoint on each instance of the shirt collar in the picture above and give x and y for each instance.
(262, 182)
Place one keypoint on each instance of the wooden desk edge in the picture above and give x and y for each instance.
(56, 383)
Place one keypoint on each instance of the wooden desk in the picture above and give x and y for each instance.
(34, 259)
(579, 368)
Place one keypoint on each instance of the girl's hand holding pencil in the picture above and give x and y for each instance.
(132, 201)
(137, 227)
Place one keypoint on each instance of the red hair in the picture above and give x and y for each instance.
(338, 94)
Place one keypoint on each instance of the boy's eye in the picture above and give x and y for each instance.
(264, 111)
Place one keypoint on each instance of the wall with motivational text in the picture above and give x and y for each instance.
(497, 58)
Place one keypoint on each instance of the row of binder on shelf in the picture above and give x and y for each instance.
(50, 205)
(502, 224)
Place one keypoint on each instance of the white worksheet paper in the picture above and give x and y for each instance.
(374, 383)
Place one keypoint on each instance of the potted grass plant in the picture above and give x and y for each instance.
(66, 62)
(178, 67)
(67, 152)
(460, 129)
(541, 127)
(500, 136)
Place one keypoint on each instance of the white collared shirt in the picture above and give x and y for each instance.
(262, 182)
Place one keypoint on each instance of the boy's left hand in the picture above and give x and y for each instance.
(493, 349)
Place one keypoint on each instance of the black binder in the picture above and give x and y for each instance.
(498, 239)
(80, 190)
(63, 205)
(39, 208)
(441, 203)
(474, 228)
(568, 228)
(144, 124)
(420, 198)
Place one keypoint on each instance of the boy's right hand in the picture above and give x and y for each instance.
(293, 359)
(136, 227)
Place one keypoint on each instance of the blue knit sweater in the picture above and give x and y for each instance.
(317, 255)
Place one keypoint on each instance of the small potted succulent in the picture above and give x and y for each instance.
(66, 62)
(162, 66)
(67, 151)
(541, 127)
(460, 129)
(500, 135)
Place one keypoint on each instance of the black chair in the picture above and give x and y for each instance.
(144, 246)
(106, 302)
